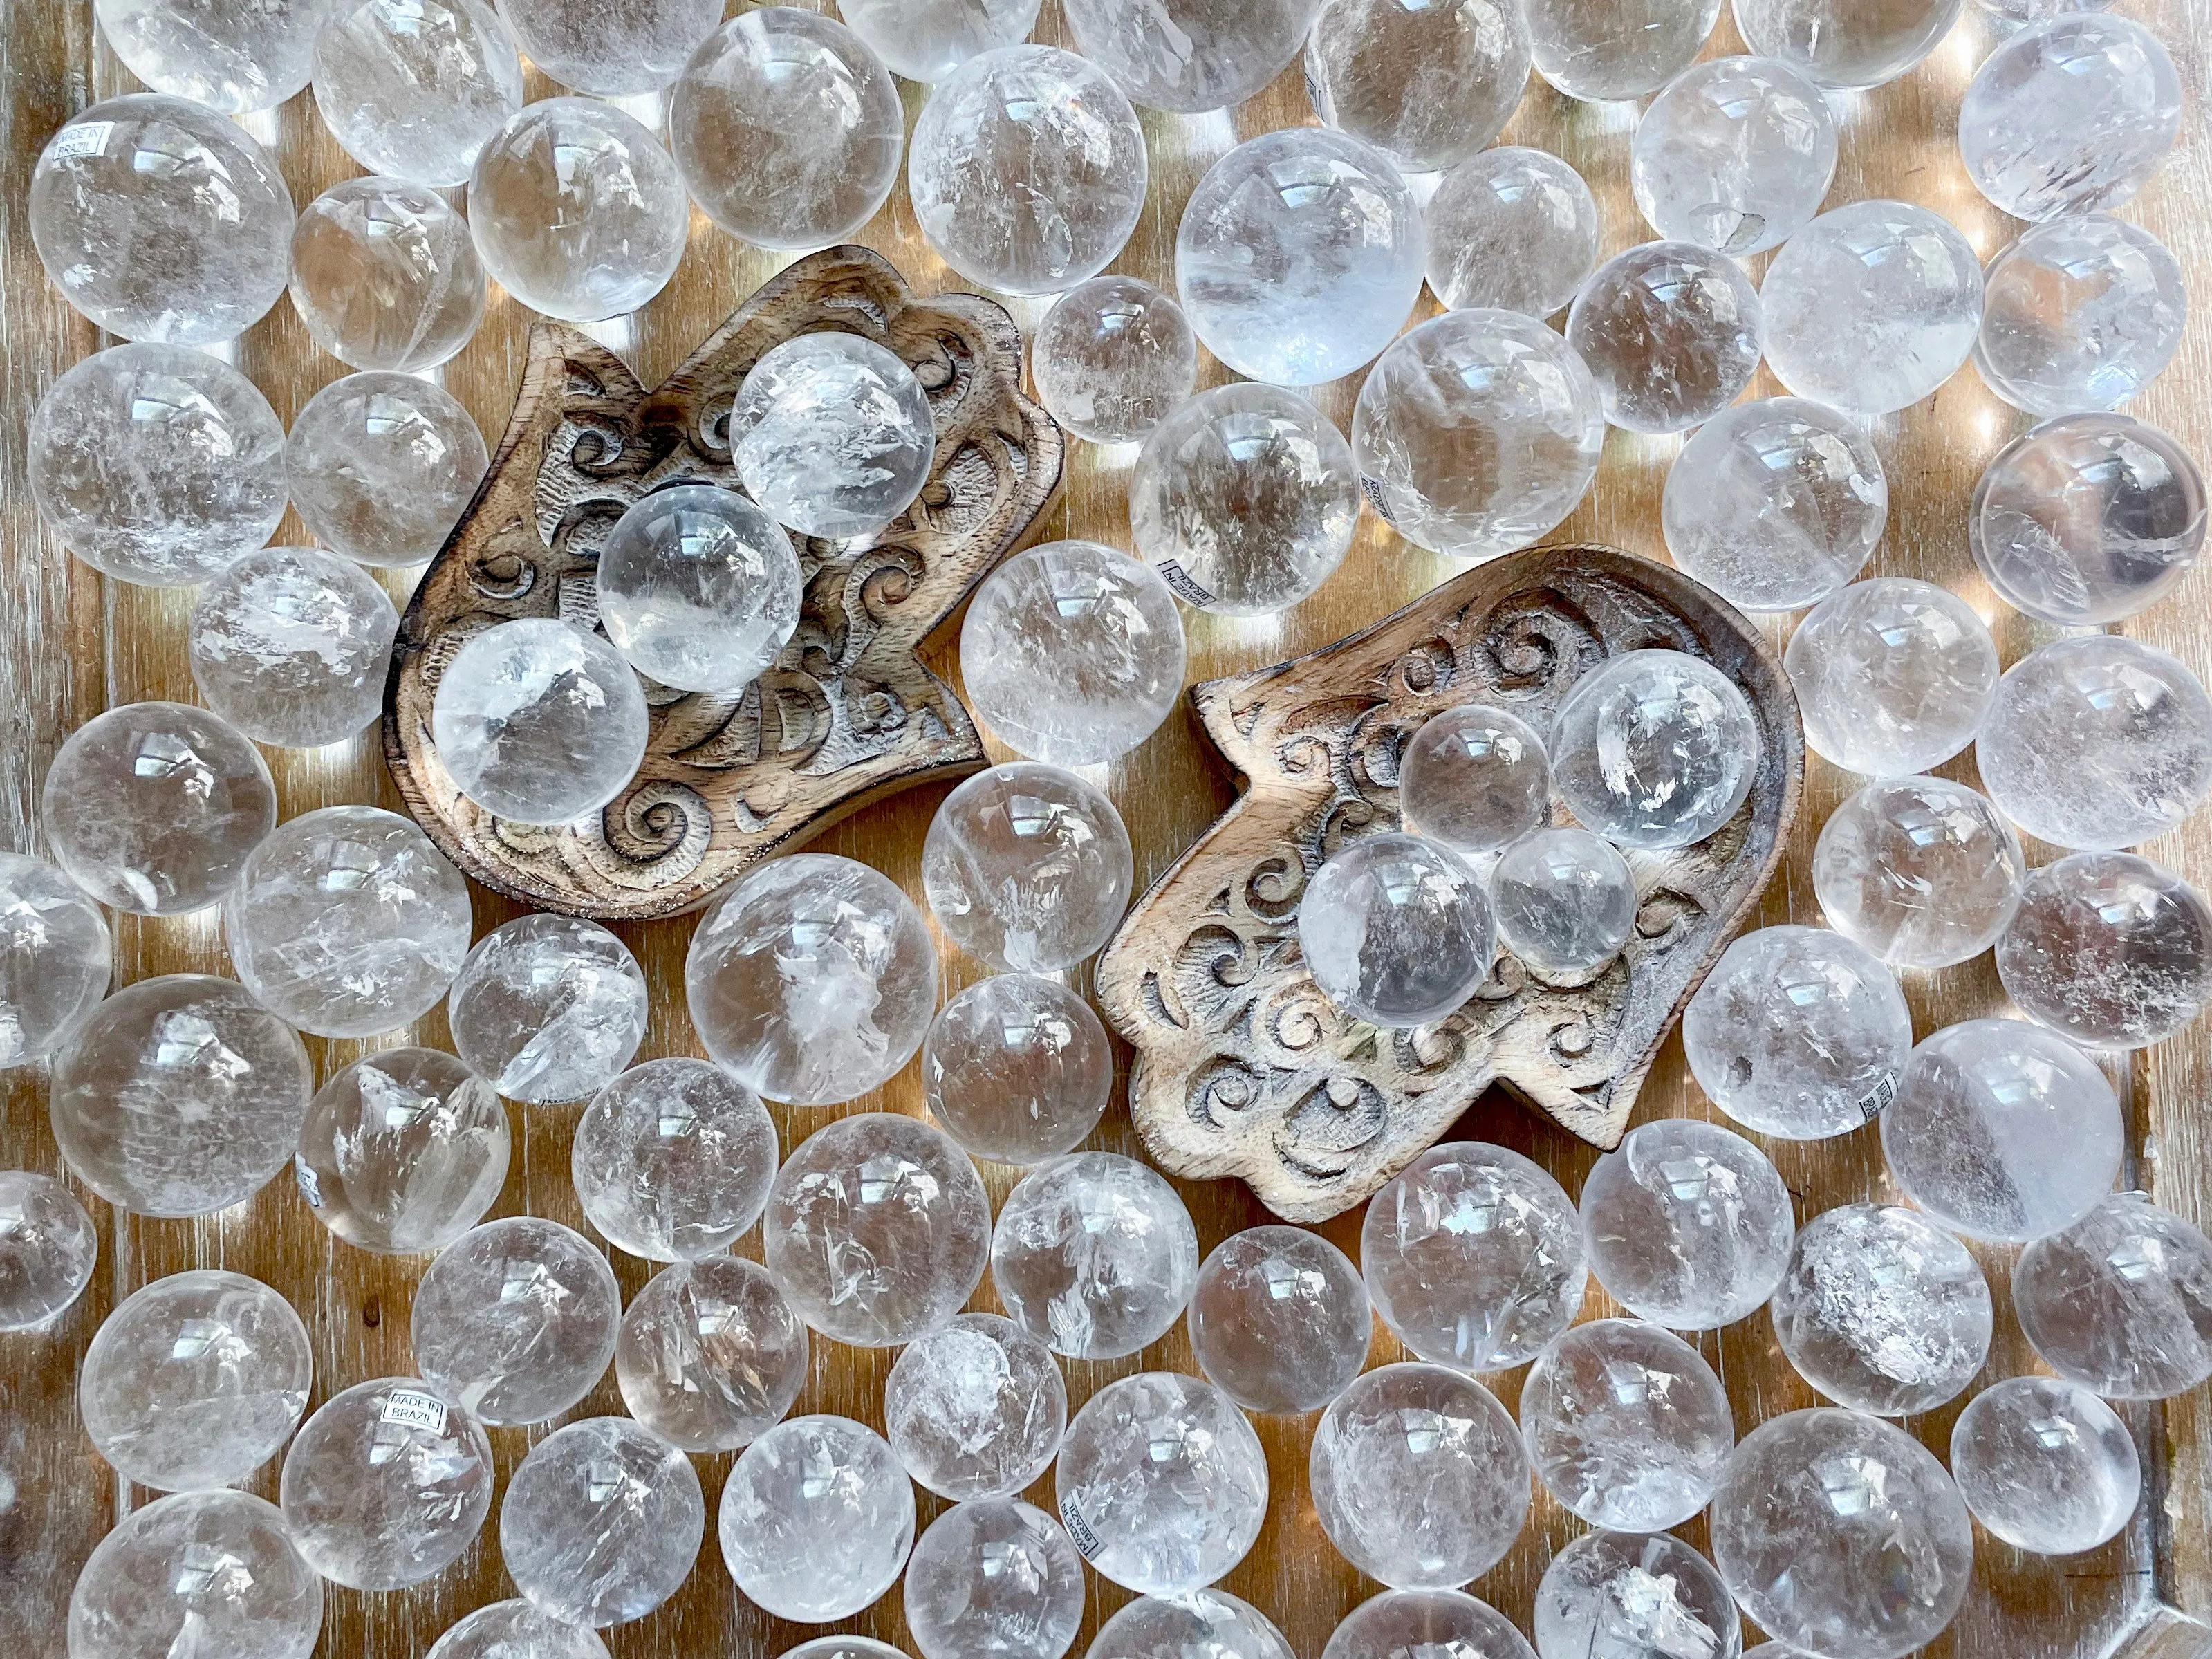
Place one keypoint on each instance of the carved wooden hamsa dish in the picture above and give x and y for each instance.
(847, 713)
(1244, 1068)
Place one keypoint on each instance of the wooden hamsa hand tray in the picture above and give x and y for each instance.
(1244, 1068)
(847, 714)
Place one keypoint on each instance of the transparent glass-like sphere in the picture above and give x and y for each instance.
(516, 1319)
(1399, 1623)
(832, 435)
(993, 1576)
(1094, 1254)
(1610, 1593)
(602, 1522)
(1920, 871)
(2109, 950)
(1735, 154)
(381, 465)
(1670, 332)
(1512, 230)
(975, 1408)
(1892, 676)
(1112, 357)
(1620, 49)
(548, 1008)
(1566, 902)
(1396, 931)
(2121, 1302)
(1209, 1622)
(1027, 867)
(672, 1160)
(504, 1629)
(1656, 749)
(540, 722)
(211, 1570)
(1017, 1069)
(816, 1519)
(292, 646)
(56, 957)
(699, 588)
(47, 1250)
(232, 58)
(2045, 1465)
(709, 1354)
(1474, 777)
(927, 39)
(411, 88)
(2081, 313)
(403, 1151)
(1687, 1225)
(1428, 86)
(1845, 42)
(611, 51)
(1189, 56)
(1279, 1320)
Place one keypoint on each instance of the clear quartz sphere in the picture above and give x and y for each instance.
(292, 646)
(813, 980)
(1112, 358)
(927, 39)
(1474, 1256)
(1566, 902)
(403, 1151)
(1805, 1528)
(1670, 332)
(975, 1408)
(1511, 229)
(992, 1577)
(786, 129)
(1735, 156)
(576, 209)
(1798, 1033)
(1626, 1425)
(1095, 1255)
(1396, 931)
(1616, 49)
(602, 1522)
(383, 274)
(1187, 57)
(1775, 504)
(1017, 1069)
(1872, 305)
(214, 1571)
(1072, 653)
(516, 1630)
(411, 88)
(156, 463)
(2081, 313)
(877, 1230)
(47, 1250)
(2097, 742)
(516, 1319)
(195, 1380)
(672, 1160)
(2045, 1465)
(1245, 500)
(832, 435)
(1427, 85)
(1474, 777)
(816, 1519)
(710, 1354)
(1206, 1624)
(1419, 1477)
(2087, 520)
(1892, 676)
(2108, 951)
(540, 722)
(232, 58)
(2003, 1130)
(1922, 872)
(1656, 749)
(2121, 1302)
(1687, 1225)
(1279, 1320)
(1617, 1595)
(1027, 867)
(387, 1484)
(1300, 255)
(1401, 1624)
(1882, 1311)
(699, 588)
(1476, 433)
(137, 1083)
(611, 51)
(1162, 1483)
(1845, 42)
(56, 957)
(381, 465)
(548, 1009)
(1027, 171)
(161, 219)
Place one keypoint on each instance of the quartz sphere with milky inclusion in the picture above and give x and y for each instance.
(816, 1519)
(411, 88)
(672, 1160)
(1844, 43)
(1396, 931)
(1892, 676)
(232, 58)
(2081, 313)
(548, 1009)
(1208, 1622)
(1094, 1254)
(2045, 1465)
(927, 39)
(1189, 56)
(1735, 155)
(516, 1319)
(710, 1354)
(1401, 1623)
(1279, 1320)
(1112, 358)
(1921, 870)
(975, 1408)
(1017, 1069)
(1656, 749)
(1474, 777)
(1428, 85)
(2121, 1302)
(540, 722)
(211, 1570)
(699, 588)
(1566, 902)
(403, 1151)
(381, 466)
(1027, 867)
(1670, 332)
(506, 1629)
(1510, 228)
(832, 435)
(2109, 950)
(1621, 49)
(993, 1576)
(293, 646)
(602, 1522)
(611, 52)
(47, 1250)
(1614, 1592)
(56, 957)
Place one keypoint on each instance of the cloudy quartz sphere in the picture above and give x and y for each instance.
(1735, 155)
(2109, 950)
(548, 1009)
(1670, 332)
(403, 1151)
(1398, 1624)
(2045, 1465)
(672, 1160)
(1027, 867)
(412, 88)
(1619, 49)
(382, 464)
(1017, 1069)
(516, 1319)
(1208, 1622)
(993, 1576)
(538, 722)
(2121, 1302)
(1617, 1593)
(1892, 676)
(1396, 931)
(1279, 1320)
(698, 588)
(1566, 902)
(208, 1569)
(601, 1521)
(1428, 85)
(832, 435)
(48, 1250)
(1112, 357)
(975, 1408)
(1189, 56)
(1920, 871)
(816, 1519)
(611, 52)
(927, 39)
(1656, 749)
(1474, 777)
(232, 58)
(2081, 313)
(1510, 228)
(293, 645)
(1844, 43)
(515, 1629)
(55, 956)
(1094, 1254)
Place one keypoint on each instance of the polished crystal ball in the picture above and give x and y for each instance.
(292, 646)
(1687, 1225)
(211, 1570)
(927, 39)
(1419, 1477)
(813, 980)
(1511, 229)
(1162, 1483)
(575, 207)
(2097, 742)
(1474, 1256)
(1094, 1254)
(548, 1009)
(1656, 749)
(709, 1354)
(699, 588)
(816, 1519)
(1189, 56)
(161, 219)
(1279, 1320)
(611, 51)
(387, 1484)
(1396, 931)
(403, 1151)
(47, 1249)
(2121, 1302)
(994, 1576)
(1735, 156)
(1300, 254)
(1027, 867)
(411, 88)
(516, 1630)
(381, 465)
(1072, 653)
(1921, 870)
(1775, 504)
(197, 1380)
(1245, 500)
(1027, 171)
(1402, 1624)
(975, 1408)
(56, 957)
(601, 1522)
(672, 1160)
(1566, 902)
(1474, 777)
(2109, 950)
(1619, 1595)
(156, 465)
(516, 1319)
(1427, 85)
(1892, 676)
(877, 1230)
(1620, 50)
(1882, 1311)
(540, 722)
(1872, 307)
(2045, 1465)
(844, 1647)
(2087, 519)
(1112, 358)
(1842, 1534)
(1017, 1069)
(1798, 1033)
(2081, 313)
(179, 1096)
(1670, 332)
(1206, 1624)
(832, 435)
(233, 58)
(1846, 43)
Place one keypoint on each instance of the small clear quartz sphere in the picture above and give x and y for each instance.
(927, 39)
(1670, 332)
(214, 1571)
(1892, 676)
(1279, 1320)
(383, 274)
(516, 1319)
(1206, 1624)
(1920, 871)
(1187, 57)
(699, 588)
(292, 645)
(232, 58)
(1735, 154)
(1474, 777)
(672, 1160)
(1511, 229)
(1396, 931)
(832, 435)
(548, 1009)
(710, 1354)
(2081, 313)
(47, 1250)
(994, 1576)
(1656, 749)
(1112, 358)
(1095, 1255)
(816, 1519)
(516, 1630)
(1245, 500)
(1427, 85)
(403, 1151)
(2109, 950)
(1017, 1069)
(1845, 44)
(56, 957)
(1566, 902)
(195, 1380)
(2045, 1465)
(382, 464)
(1620, 49)
(1027, 867)
(1399, 1624)
(411, 88)
(1617, 1595)
(975, 1408)
(602, 1522)
(611, 51)
(2121, 1302)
